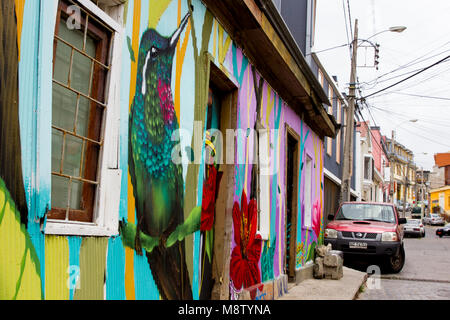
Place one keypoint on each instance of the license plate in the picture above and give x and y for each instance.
(357, 245)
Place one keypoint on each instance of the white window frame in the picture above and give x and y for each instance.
(107, 201)
(307, 200)
(264, 172)
(370, 168)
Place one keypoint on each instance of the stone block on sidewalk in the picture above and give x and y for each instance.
(334, 273)
(318, 268)
(333, 260)
(322, 251)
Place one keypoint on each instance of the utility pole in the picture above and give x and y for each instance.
(405, 190)
(348, 144)
(392, 164)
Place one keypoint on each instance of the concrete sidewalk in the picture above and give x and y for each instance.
(324, 289)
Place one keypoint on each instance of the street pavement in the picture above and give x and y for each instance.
(425, 276)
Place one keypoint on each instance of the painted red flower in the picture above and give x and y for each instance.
(210, 188)
(244, 267)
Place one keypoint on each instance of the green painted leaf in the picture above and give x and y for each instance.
(20, 277)
(209, 243)
(191, 225)
(128, 233)
(311, 251)
(130, 49)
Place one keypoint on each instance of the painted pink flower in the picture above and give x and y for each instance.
(317, 216)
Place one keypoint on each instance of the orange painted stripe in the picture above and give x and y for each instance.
(20, 5)
(181, 53)
(129, 253)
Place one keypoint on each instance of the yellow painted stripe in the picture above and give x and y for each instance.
(20, 5)
(181, 54)
(19, 277)
(56, 268)
(129, 254)
(215, 39)
(156, 10)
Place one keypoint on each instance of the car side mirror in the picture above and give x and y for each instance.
(402, 221)
(330, 217)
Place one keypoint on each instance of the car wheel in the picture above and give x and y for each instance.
(441, 235)
(396, 262)
(423, 234)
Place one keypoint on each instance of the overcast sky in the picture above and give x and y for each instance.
(425, 41)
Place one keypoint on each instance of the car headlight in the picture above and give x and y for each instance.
(331, 233)
(389, 236)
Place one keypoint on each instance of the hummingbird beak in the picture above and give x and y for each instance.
(177, 33)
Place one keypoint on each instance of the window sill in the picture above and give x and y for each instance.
(64, 228)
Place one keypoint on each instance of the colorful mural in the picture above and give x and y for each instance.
(164, 248)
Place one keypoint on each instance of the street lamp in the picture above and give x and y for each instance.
(348, 142)
(397, 29)
(411, 120)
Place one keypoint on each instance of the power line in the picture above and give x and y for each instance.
(402, 116)
(403, 67)
(342, 45)
(425, 138)
(407, 78)
(419, 95)
(414, 61)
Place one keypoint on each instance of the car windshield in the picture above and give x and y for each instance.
(414, 222)
(366, 212)
(435, 216)
(416, 210)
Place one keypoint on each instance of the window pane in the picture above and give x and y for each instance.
(57, 143)
(62, 62)
(73, 36)
(60, 189)
(75, 195)
(83, 117)
(81, 73)
(64, 106)
(72, 156)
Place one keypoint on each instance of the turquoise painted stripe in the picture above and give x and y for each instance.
(303, 140)
(35, 93)
(115, 270)
(74, 257)
(145, 286)
(239, 75)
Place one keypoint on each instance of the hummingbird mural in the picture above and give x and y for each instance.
(157, 181)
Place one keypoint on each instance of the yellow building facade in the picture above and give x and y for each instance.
(441, 197)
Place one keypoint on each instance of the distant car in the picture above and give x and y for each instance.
(408, 207)
(433, 219)
(399, 206)
(416, 213)
(368, 229)
(414, 227)
(445, 231)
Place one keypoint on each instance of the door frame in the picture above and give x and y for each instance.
(290, 269)
(223, 80)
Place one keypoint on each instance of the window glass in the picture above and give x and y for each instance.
(79, 78)
(366, 212)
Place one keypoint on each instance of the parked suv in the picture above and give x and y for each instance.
(368, 229)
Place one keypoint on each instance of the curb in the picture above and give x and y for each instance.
(357, 293)
(413, 279)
